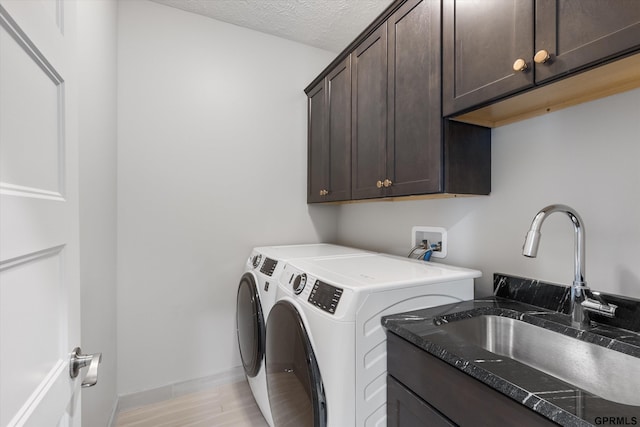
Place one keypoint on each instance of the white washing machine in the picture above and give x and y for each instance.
(326, 348)
(255, 297)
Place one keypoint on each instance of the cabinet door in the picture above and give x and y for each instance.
(405, 409)
(338, 84)
(369, 115)
(481, 42)
(457, 396)
(414, 136)
(317, 150)
(579, 33)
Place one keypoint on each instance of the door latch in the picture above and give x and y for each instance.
(79, 361)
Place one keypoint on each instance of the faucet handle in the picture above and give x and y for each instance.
(599, 307)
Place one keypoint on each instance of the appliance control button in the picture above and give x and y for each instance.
(299, 283)
(255, 261)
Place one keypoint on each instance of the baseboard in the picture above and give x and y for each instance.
(114, 414)
(147, 397)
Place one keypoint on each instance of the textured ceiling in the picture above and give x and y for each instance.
(326, 24)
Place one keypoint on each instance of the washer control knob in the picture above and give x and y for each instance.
(299, 283)
(255, 261)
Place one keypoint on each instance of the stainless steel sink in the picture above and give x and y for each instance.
(604, 372)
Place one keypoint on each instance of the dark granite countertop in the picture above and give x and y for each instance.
(540, 304)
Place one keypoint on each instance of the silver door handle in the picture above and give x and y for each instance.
(79, 361)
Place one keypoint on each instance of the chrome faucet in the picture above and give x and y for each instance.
(582, 299)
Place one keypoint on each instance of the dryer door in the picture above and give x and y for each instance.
(296, 393)
(250, 325)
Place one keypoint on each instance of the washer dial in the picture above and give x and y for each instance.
(255, 261)
(299, 283)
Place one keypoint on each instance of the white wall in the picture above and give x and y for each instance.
(586, 157)
(211, 162)
(97, 151)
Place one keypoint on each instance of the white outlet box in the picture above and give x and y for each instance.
(433, 235)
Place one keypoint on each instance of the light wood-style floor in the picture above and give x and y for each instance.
(226, 405)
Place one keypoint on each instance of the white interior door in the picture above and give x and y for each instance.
(39, 267)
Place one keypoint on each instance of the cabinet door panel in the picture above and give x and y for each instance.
(369, 116)
(456, 395)
(317, 147)
(414, 148)
(481, 42)
(339, 132)
(578, 33)
(405, 409)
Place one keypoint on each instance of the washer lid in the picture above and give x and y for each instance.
(315, 250)
(380, 271)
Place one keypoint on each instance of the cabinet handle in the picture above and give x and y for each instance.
(541, 56)
(324, 192)
(520, 65)
(387, 183)
(379, 184)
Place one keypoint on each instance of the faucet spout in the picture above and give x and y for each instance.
(530, 248)
(579, 289)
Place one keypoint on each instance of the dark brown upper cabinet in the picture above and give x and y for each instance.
(414, 119)
(495, 48)
(574, 34)
(400, 145)
(316, 145)
(481, 42)
(369, 116)
(397, 133)
(329, 136)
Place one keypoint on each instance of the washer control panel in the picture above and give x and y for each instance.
(268, 267)
(309, 289)
(325, 296)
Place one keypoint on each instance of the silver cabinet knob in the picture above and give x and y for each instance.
(79, 361)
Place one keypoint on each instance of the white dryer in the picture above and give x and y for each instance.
(255, 297)
(326, 348)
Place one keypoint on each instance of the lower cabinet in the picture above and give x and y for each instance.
(424, 390)
(405, 408)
